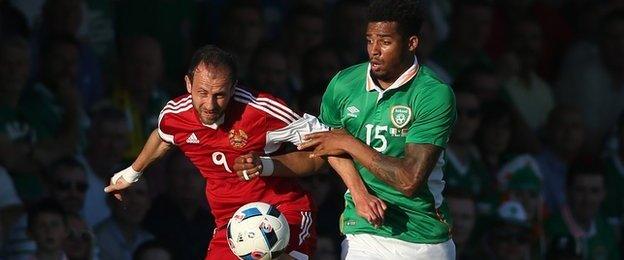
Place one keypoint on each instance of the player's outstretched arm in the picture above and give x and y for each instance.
(295, 164)
(153, 149)
(404, 174)
(367, 206)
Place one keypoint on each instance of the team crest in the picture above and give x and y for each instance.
(400, 116)
(238, 138)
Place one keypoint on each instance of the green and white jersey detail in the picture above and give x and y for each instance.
(417, 108)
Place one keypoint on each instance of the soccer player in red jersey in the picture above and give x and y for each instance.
(217, 122)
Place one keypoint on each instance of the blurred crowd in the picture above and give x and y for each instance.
(534, 168)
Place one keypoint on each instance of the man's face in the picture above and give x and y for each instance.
(69, 188)
(61, 64)
(14, 66)
(586, 195)
(468, 117)
(270, 71)
(510, 243)
(386, 49)
(474, 26)
(110, 140)
(78, 243)
(136, 202)
(463, 212)
(211, 90)
(49, 231)
(243, 30)
(528, 43)
(307, 31)
(143, 64)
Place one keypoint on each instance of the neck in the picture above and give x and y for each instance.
(406, 64)
(585, 224)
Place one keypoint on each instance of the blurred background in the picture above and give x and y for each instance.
(535, 165)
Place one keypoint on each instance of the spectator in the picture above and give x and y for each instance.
(508, 239)
(47, 225)
(17, 137)
(463, 213)
(140, 92)
(481, 79)
(68, 185)
(109, 138)
(63, 18)
(614, 180)
(269, 71)
(471, 22)
(348, 25)
(305, 28)
(189, 225)
(154, 250)
(59, 119)
(427, 42)
(596, 87)
(80, 242)
(171, 23)
(121, 234)
(242, 30)
(464, 168)
(530, 95)
(564, 135)
(580, 218)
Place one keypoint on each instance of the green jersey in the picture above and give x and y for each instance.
(600, 243)
(417, 108)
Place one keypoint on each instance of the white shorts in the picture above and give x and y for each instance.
(366, 246)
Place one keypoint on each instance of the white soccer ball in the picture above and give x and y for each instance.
(258, 231)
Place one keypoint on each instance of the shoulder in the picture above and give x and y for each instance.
(264, 104)
(175, 109)
(347, 79)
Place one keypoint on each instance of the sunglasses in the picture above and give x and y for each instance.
(67, 185)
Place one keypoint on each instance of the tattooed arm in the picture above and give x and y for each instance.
(404, 174)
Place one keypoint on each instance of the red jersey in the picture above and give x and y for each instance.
(213, 148)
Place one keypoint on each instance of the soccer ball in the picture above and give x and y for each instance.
(258, 231)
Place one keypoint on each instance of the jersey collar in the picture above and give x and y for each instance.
(408, 75)
(216, 124)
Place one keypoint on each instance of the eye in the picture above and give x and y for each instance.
(369, 40)
(385, 42)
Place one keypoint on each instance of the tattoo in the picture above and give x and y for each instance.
(408, 173)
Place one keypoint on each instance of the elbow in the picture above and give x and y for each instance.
(409, 187)
(408, 191)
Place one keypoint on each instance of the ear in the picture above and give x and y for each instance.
(187, 80)
(412, 43)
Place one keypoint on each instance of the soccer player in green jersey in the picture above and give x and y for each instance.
(396, 117)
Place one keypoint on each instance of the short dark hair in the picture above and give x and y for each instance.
(585, 166)
(407, 13)
(213, 55)
(70, 162)
(46, 205)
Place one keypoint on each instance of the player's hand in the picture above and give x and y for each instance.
(370, 207)
(117, 187)
(326, 143)
(248, 166)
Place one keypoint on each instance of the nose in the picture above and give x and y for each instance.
(374, 49)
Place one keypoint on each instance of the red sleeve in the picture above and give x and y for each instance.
(166, 119)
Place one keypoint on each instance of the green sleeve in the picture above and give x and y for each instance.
(434, 117)
(330, 108)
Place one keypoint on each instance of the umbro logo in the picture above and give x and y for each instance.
(352, 111)
(192, 139)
